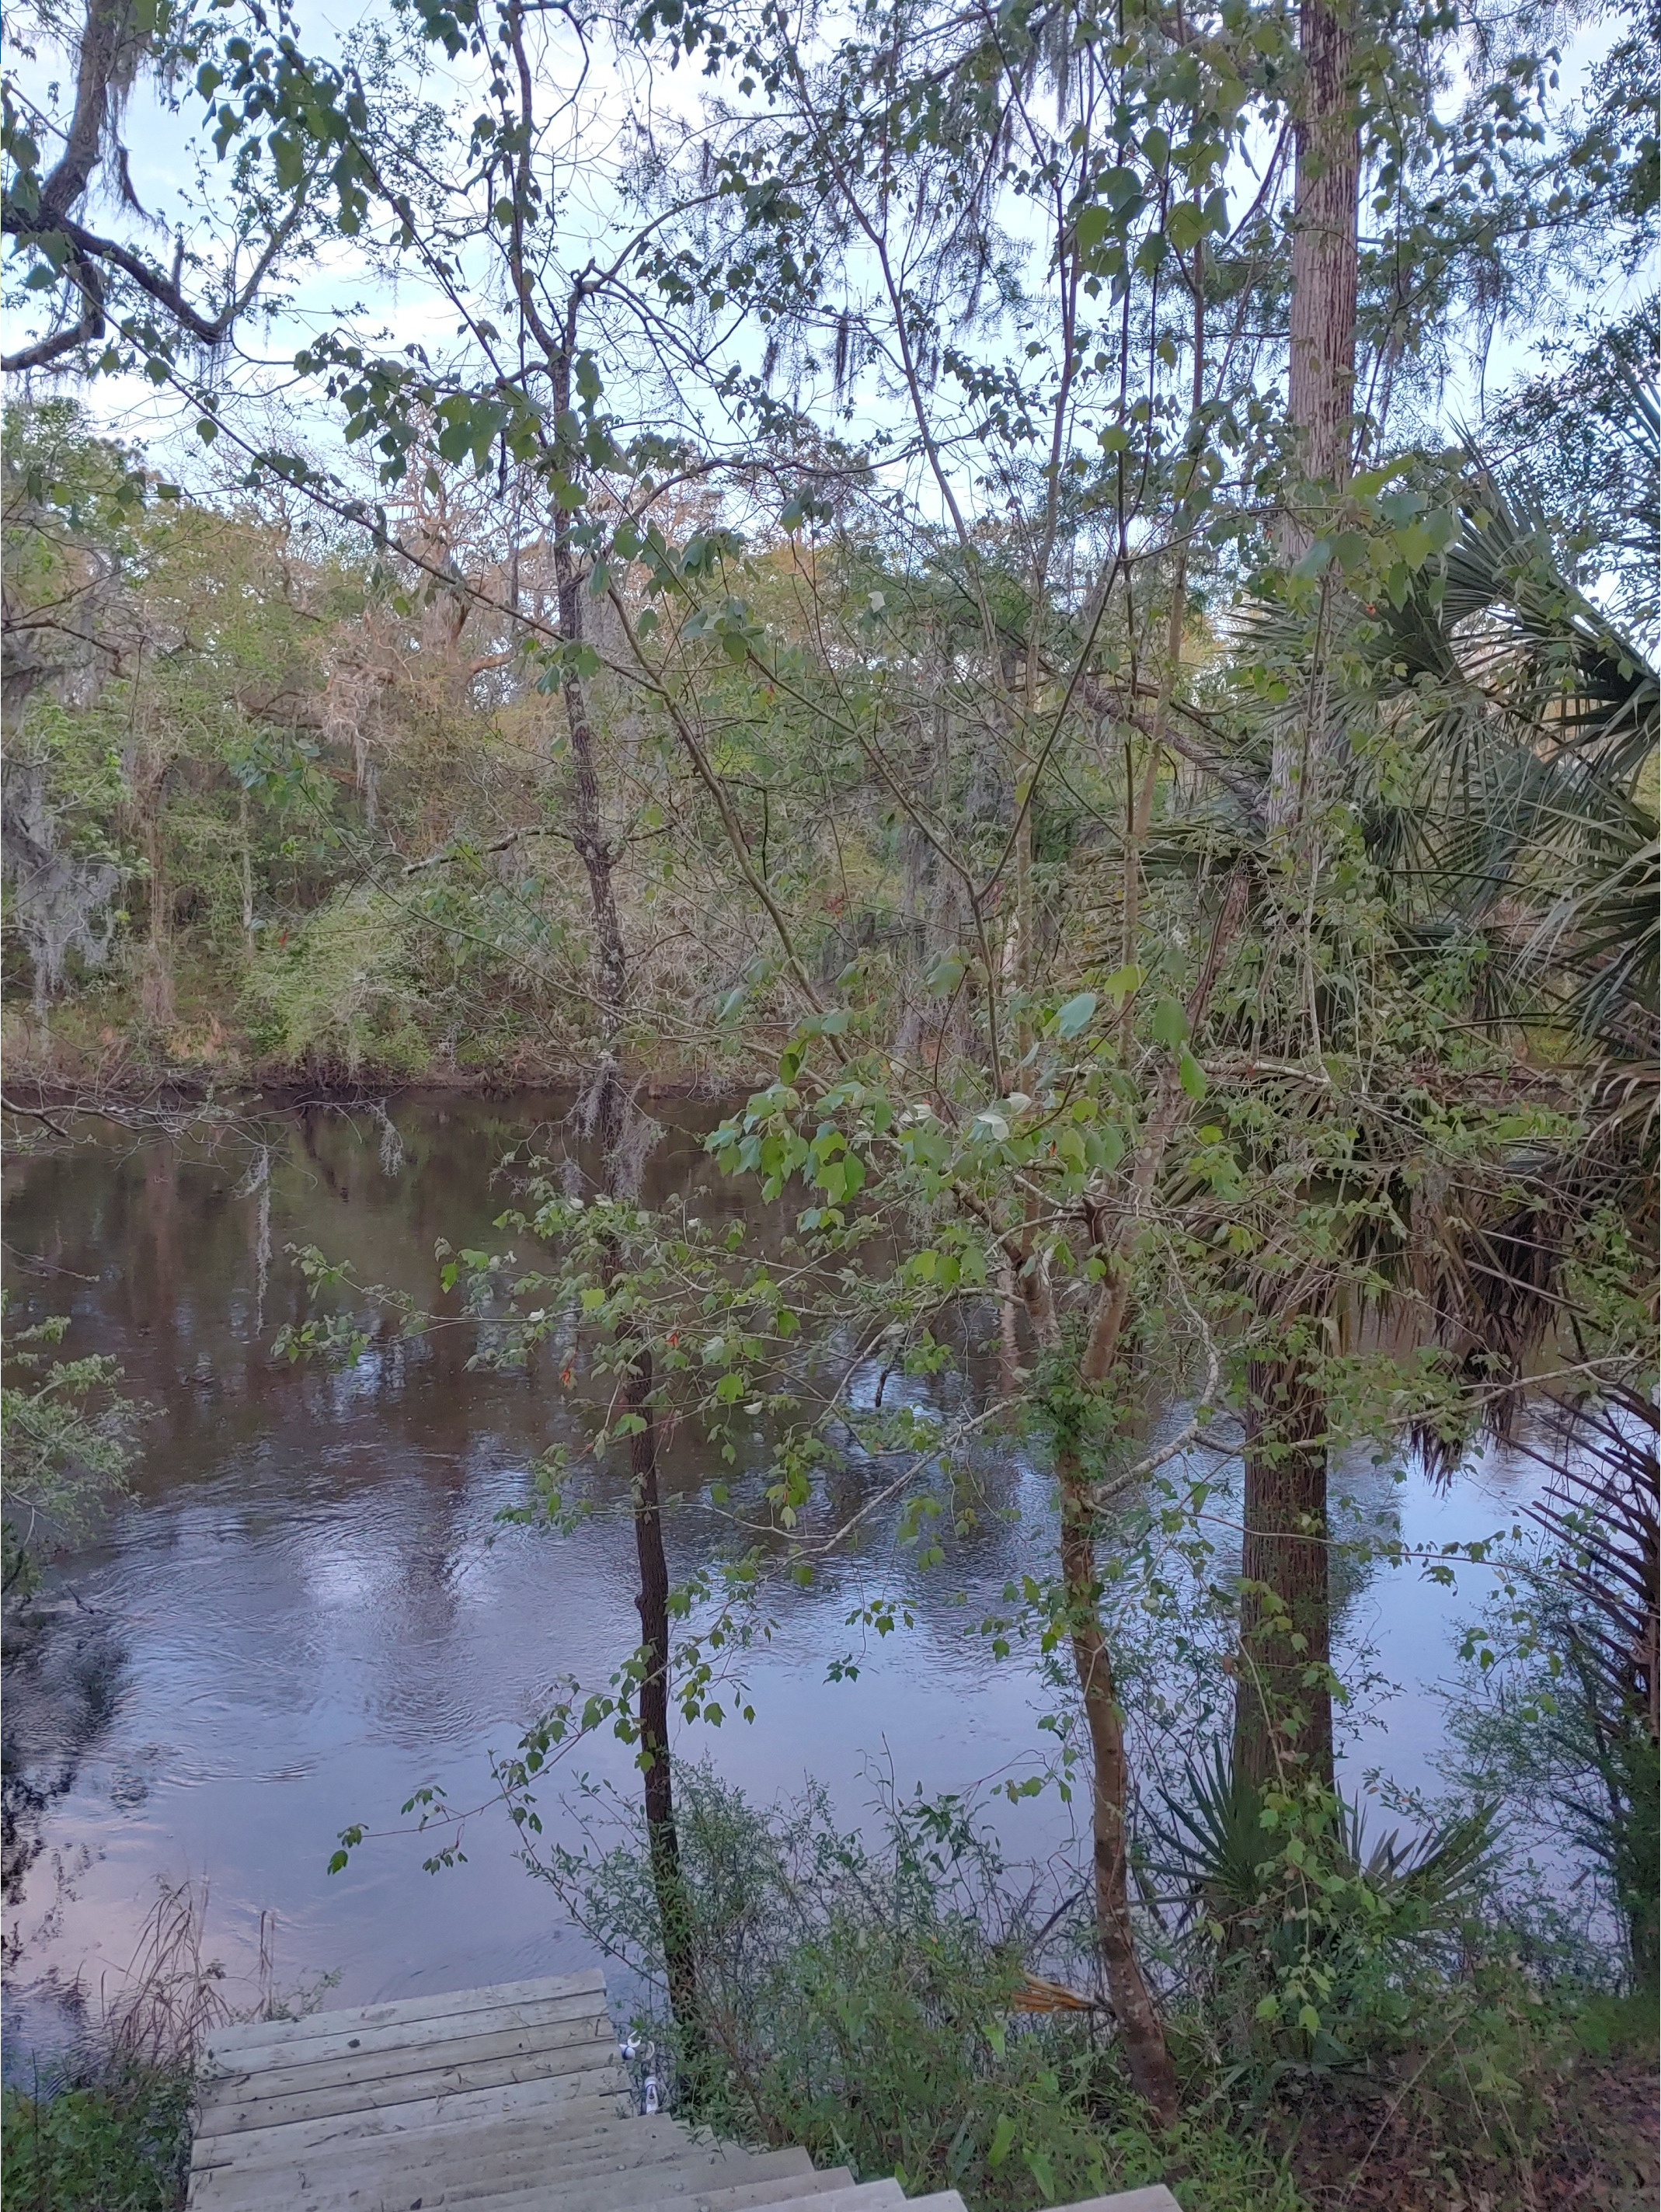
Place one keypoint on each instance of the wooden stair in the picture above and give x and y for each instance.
(509, 2098)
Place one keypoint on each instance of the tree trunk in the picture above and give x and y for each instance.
(920, 893)
(1322, 384)
(1283, 1696)
(606, 1114)
(1140, 2026)
(156, 991)
(1283, 1725)
(663, 1840)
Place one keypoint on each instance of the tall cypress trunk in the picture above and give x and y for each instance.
(1325, 257)
(605, 1117)
(1321, 382)
(1283, 1725)
(1282, 1718)
(1140, 2030)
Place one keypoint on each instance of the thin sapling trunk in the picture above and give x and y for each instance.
(605, 1115)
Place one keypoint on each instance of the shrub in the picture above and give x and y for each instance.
(68, 1438)
(1305, 1935)
(340, 994)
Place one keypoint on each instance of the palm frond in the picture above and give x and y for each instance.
(1603, 1509)
(1214, 1840)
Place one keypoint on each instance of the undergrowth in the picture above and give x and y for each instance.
(874, 2003)
(117, 2142)
(867, 2003)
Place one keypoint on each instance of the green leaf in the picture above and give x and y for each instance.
(1003, 2136)
(288, 158)
(1315, 561)
(1398, 507)
(1075, 1014)
(1185, 226)
(1042, 2172)
(1104, 1147)
(1169, 1023)
(1191, 1076)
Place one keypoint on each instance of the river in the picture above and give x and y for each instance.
(307, 1606)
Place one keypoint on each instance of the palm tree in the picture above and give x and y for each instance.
(1506, 817)
(1544, 752)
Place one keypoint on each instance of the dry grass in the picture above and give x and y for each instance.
(171, 1995)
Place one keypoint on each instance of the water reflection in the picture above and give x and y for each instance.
(309, 1608)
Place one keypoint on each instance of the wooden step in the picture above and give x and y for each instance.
(770, 2181)
(455, 2108)
(267, 2096)
(463, 2189)
(597, 2146)
(1158, 2199)
(241, 2037)
(435, 2151)
(462, 2160)
(495, 2183)
(329, 2036)
(861, 2197)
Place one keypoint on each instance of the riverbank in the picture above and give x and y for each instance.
(73, 1061)
(126, 2138)
(127, 1077)
(109, 2136)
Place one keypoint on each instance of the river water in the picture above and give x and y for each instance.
(308, 1607)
